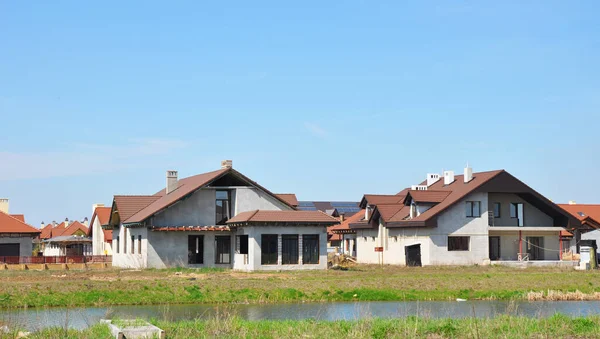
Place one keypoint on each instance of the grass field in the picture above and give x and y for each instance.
(501, 327)
(367, 283)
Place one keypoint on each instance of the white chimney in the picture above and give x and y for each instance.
(42, 225)
(572, 202)
(226, 164)
(468, 174)
(85, 221)
(4, 205)
(432, 178)
(66, 222)
(171, 181)
(94, 206)
(448, 177)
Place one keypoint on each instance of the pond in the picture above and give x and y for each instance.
(34, 319)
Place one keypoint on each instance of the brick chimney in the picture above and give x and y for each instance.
(171, 181)
(4, 205)
(226, 164)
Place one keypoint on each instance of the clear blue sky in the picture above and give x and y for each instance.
(326, 99)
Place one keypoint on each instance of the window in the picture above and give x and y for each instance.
(268, 249)
(496, 210)
(223, 249)
(289, 249)
(195, 249)
(223, 207)
(117, 244)
(310, 249)
(243, 244)
(458, 243)
(139, 244)
(473, 210)
(125, 241)
(132, 244)
(516, 212)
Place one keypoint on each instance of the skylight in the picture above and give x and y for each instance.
(581, 214)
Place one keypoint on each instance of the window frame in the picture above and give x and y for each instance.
(499, 215)
(139, 244)
(471, 210)
(117, 245)
(221, 246)
(132, 244)
(266, 243)
(200, 249)
(290, 243)
(307, 256)
(223, 221)
(456, 246)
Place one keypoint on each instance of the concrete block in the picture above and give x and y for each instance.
(134, 329)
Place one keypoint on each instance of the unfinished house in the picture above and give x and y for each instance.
(216, 219)
(474, 218)
(16, 237)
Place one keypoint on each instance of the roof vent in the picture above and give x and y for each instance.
(418, 187)
(226, 164)
(171, 181)
(448, 177)
(468, 174)
(572, 202)
(432, 178)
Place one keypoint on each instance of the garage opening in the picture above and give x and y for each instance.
(413, 255)
(9, 250)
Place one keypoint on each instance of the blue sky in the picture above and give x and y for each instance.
(328, 100)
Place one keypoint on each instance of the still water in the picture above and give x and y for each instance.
(34, 319)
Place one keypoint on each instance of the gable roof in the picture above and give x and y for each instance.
(46, 232)
(297, 217)
(289, 198)
(427, 196)
(588, 214)
(10, 224)
(344, 227)
(102, 213)
(376, 199)
(139, 208)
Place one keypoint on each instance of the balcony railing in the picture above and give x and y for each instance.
(63, 259)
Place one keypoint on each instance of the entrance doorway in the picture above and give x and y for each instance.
(535, 248)
(494, 248)
(413, 255)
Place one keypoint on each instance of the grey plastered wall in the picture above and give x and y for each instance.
(250, 198)
(25, 244)
(196, 210)
(532, 215)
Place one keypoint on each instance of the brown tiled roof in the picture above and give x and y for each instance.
(298, 217)
(221, 228)
(103, 215)
(588, 214)
(185, 187)
(344, 227)
(376, 199)
(129, 205)
(289, 198)
(9, 224)
(19, 217)
(428, 195)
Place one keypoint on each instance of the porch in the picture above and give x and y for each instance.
(526, 244)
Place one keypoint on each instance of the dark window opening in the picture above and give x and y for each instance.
(458, 243)
(223, 207)
(223, 249)
(289, 249)
(516, 212)
(243, 239)
(310, 249)
(117, 245)
(473, 209)
(125, 241)
(195, 249)
(132, 244)
(268, 249)
(496, 210)
(139, 244)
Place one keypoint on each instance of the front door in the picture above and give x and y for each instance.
(413, 255)
(535, 248)
(494, 248)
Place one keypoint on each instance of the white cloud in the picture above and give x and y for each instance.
(82, 159)
(315, 129)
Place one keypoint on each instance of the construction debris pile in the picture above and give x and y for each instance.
(339, 261)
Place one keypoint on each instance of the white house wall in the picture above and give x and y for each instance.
(123, 257)
(250, 198)
(99, 244)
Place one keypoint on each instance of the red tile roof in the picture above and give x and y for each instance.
(19, 217)
(185, 186)
(103, 216)
(344, 227)
(46, 232)
(9, 224)
(289, 198)
(588, 214)
(298, 217)
(63, 230)
(220, 228)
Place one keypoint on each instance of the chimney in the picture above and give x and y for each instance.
(66, 222)
(468, 174)
(448, 177)
(4, 205)
(94, 206)
(572, 202)
(342, 217)
(42, 225)
(226, 164)
(171, 181)
(53, 223)
(432, 178)
(85, 221)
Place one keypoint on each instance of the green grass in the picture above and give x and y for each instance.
(557, 326)
(364, 283)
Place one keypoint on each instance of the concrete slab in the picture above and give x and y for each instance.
(133, 328)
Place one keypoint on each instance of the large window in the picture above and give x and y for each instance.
(496, 210)
(458, 243)
(139, 244)
(132, 244)
(268, 249)
(195, 249)
(223, 246)
(289, 249)
(310, 249)
(472, 209)
(117, 244)
(243, 244)
(223, 207)
(516, 212)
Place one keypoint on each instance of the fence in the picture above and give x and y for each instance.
(65, 259)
